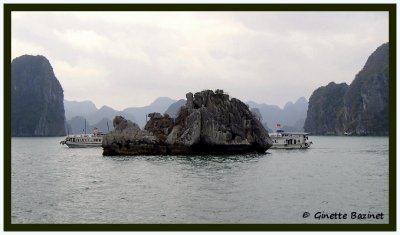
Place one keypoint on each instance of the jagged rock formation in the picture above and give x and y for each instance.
(361, 108)
(366, 102)
(209, 123)
(37, 107)
(325, 113)
(292, 116)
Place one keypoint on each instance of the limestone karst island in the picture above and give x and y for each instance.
(210, 122)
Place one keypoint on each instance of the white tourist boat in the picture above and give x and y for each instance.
(84, 140)
(289, 140)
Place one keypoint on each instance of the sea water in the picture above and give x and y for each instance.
(337, 176)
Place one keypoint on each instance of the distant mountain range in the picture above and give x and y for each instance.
(160, 105)
(77, 108)
(77, 112)
(291, 117)
(174, 108)
(77, 125)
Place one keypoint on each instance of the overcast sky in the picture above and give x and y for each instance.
(127, 59)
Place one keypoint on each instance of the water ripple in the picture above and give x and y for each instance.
(62, 185)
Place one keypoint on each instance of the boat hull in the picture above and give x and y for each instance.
(291, 146)
(84, 140)
(81, 145)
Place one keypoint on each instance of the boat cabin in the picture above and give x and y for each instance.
(290, 140)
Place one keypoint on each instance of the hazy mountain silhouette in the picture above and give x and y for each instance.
(109, 113)
(291, 117)
(160, 105)
(87, 110)
(76, 125)
(78, 108)
(174, 108)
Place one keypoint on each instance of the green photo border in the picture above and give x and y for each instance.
(9, 8)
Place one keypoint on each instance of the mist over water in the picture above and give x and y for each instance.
(55, 184)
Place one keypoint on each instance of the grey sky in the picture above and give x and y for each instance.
(126, 59)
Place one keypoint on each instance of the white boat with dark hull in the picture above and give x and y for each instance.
(289, 140)
(84, 140)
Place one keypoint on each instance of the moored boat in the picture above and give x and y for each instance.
(289, 140)
(84, 140)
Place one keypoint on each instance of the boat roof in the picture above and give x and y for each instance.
(292, 133)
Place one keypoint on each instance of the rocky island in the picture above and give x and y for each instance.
(37, 107)
(361, 108)
(210, 122)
